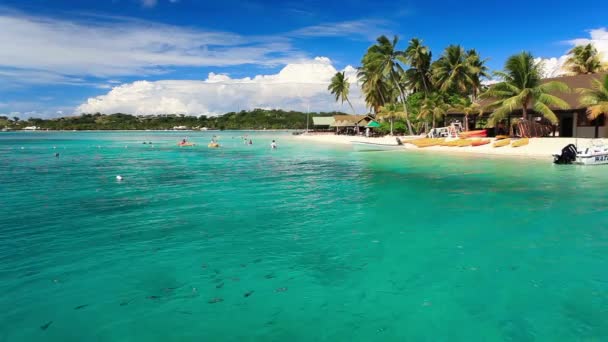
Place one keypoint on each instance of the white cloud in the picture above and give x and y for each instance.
(119, 46)
(295, 87)
(365, 28)
(553, 67)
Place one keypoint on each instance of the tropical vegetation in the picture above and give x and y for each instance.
(340, 88)
(596, 98)
(522, 89)
(254, 119)
(584, 59)
(407, 85)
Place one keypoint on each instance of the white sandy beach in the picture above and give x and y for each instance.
(538, 148)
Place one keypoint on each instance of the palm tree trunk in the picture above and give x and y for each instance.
(351, 106)
(392, 126)
(407, 119)
(466, 123)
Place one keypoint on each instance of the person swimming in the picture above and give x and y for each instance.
(250, 142)
(273, 145)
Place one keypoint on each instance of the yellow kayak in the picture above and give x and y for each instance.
(502, 143)
(520, 142)
(213, 145)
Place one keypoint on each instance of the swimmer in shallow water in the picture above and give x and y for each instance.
(273, 145)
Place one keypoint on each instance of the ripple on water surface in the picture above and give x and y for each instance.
(307, 242)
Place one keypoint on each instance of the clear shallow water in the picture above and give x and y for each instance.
(335, 245)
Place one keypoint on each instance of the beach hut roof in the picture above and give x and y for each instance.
(351, 120)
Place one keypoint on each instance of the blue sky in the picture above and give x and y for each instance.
(58, 55)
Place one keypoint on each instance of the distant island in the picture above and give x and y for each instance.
(254, 119)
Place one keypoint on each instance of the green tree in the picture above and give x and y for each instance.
(477, 70)
(467, 107)
(596, 98)
(383, 58)
(452, 72)
(418, 76)
(392, 112)
(374, 88)
(340, 87)
(584, 59)
(433, 108)
(523, 89)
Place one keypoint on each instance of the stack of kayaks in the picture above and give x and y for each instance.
(501, 143)
(520, 142)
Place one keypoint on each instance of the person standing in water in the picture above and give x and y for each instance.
(273, 145)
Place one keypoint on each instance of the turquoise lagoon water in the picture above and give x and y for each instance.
(329, 245)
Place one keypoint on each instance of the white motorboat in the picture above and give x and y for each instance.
(595, 154)
(362, 146)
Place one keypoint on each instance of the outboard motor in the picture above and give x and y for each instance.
(568, 155)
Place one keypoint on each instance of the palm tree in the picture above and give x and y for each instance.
(339, 87)
(596, 98)
(374, 88)
(452, 72)
(383, 58)
(522, 89)
(584, 59)
(467, 107)
(478, 70)
(433, 107)
(419, 58)
(391, 111)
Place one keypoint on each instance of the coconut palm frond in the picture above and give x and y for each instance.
(551, 100)
(546, 112)
(593, 112)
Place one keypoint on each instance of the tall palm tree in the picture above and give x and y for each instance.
(522, 89)
(452, 72)
(433, 107)
(340, 87)
(419, 57)
(383, 57)
(596, 98)
(584, 59)
(477, 70)
(467, 107)
(390, 112)
(374, 87)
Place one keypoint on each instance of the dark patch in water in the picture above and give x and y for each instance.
(269, 276)
(281, 289)
(46, 326)
(81, 306)
(153, 297)
(219, 286)
(249, 293)
(215, 300)
(126, 302)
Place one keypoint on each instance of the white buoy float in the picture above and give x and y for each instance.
(119, 178)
